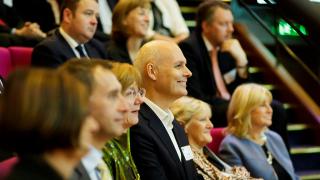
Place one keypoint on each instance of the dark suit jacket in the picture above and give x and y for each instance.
(118, 52)
(54, 51)
(38, 11)
(33, 168)
(202, 84)
(80, 173)
(154, 153)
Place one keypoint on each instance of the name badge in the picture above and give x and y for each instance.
(8, 2)
(187, 152)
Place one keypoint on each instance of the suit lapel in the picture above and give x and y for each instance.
(80, 173)
(157, 126)
(67, 50)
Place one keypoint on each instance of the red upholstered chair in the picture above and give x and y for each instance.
(217, 135)
(6, 166)
(5, 62)
(20, 56)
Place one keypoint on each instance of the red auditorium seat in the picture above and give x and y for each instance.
(20, 56)
(217, 135)
(6, 166)
(5, 62)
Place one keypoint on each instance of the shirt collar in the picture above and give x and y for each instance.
(72, 43)
(207, 43)
(165, 116)
(91, 160)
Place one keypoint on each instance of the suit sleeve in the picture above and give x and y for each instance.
(228, 152)
(145, 155)
(43, 56)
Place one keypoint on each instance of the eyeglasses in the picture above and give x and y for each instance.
(133, 93)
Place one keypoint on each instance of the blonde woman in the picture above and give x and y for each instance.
(117, 153)
(194, 115)
(250, 143)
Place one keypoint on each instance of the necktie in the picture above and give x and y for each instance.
(104, 171)
(79, 48)
(221, 87)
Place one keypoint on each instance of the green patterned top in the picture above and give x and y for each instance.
(117, 155)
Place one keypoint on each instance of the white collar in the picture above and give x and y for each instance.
(165, 116)
(72, 43)
(92, 159)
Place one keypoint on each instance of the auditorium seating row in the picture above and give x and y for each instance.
(12, 58)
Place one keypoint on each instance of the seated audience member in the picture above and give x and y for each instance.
(166, 21)
(130, 21)
(250, 143)
(194, 116)
(74, 37)
(107, 106)
(117, 152)
(15, 32)
(49, 141)
(105, 20)
(218, 63)
(159, 145)
(44, 12)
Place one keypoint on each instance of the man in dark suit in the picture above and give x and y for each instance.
(74, 37)
(218, 63)
(159, 145)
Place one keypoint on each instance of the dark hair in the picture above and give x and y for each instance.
(120, 12)
(70, 4)
(42, 110)
(207, 9)
(82, 69)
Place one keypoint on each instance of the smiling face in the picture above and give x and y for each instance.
(220, 28)
(261, 116)
(172, 73)
(199, 127)
(134, 99)
(137, 22)
(82, 23)
(107, 104)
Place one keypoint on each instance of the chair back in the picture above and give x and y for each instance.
(5, 62)
(20, 56)
(6, 166)
(217, 135)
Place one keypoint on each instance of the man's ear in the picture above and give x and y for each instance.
(151, 71)
(204, 26)
(67, 15)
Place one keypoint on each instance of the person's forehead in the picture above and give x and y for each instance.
(221, 13)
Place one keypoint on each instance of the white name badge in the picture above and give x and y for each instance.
(187, 152)
(8, 2)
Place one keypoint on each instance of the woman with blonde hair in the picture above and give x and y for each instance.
(117, 153)
(194, 115)
(250, 143)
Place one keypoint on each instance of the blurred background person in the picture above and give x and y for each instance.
(194, 116)
(14, 31)
(74, 37)
(117, 152)
(49, 141)
(166, 21)
(107, 106)
(130, 22)
(250, 143)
